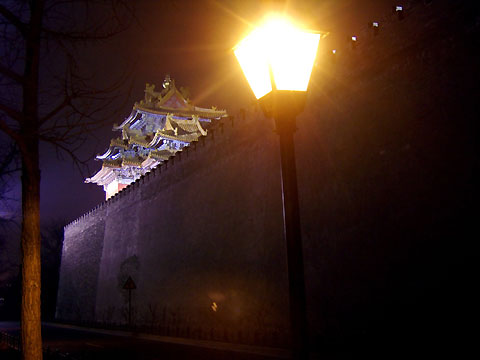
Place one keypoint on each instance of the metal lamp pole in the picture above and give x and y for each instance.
(292, 234)
(284, 106)
(277, 60)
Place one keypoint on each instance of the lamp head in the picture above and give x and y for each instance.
(277, 56)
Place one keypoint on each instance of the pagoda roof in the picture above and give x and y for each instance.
(112, 163)
(194, 110)
(149, 162)
(106, 154)
(168, 101)
(119, 143)
(161, 155)
(132, 161)
(191, 126)
(102, 177)
(151, 133)
(140, 140)
(188, 137)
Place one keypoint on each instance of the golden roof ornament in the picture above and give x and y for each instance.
(167, 81)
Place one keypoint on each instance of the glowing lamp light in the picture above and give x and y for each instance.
(277, 55)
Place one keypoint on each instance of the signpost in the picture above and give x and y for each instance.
(129, 285)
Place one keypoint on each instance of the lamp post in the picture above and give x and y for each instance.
(277, 60)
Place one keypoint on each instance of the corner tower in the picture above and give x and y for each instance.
(158, 126)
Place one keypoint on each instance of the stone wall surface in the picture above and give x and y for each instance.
(386, 157)
(205, 227)
(81, 255)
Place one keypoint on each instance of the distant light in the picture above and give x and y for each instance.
(334, 56)
(354, 42)
(375, 24)
(214, 306)
(399, 11)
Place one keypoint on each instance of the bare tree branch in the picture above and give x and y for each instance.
(12, 113)
(9, 165)
(11, 74)
(71, 152)
(14, 20)
(7, 160)
(79, 36)
(62, 105)
(14, 135)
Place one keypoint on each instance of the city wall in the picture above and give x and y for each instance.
(203, 228)
(385, 155)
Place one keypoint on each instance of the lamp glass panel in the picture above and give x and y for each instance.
(291, 54)
(280, 47)
(252, 56)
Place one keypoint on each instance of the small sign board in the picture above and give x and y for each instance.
(129, 284)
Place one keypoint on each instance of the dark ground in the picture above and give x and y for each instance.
(91, 345)
(7, 353)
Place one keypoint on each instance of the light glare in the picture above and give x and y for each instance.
(253, 59)
(278, 46)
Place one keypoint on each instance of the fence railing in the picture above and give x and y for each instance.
(15, 343)
(272, 338)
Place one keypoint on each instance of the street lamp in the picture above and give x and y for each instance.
(277, 60)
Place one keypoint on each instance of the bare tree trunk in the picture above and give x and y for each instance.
(31, 284)
(25, 24)
(31, 269)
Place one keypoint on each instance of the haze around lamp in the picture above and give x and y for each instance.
(277, 55)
